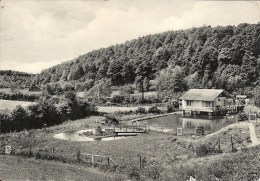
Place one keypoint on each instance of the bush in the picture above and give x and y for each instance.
(140, 110)
(154, 110)
(117, 99)
(170, 108)
(111, 120)
(204, 149)
(242, 117)
(134, 174)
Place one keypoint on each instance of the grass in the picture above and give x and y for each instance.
(16, 168)
(23, 91)
(112, 109)
(257, 128)
(160, 152)
(243, 165)
(10, 105)
(153, 145)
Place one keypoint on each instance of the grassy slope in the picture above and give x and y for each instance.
(243, 165)
(156, 147)
(16, 168)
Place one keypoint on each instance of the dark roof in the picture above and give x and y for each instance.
(203, 94)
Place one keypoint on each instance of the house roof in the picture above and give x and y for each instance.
(203, 94)
(241, 96)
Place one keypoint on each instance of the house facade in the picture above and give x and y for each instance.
(211, 101)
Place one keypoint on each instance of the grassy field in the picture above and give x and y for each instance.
(239, 131)
(17, 168)
(112, 109)
(10, 105)
(161, 152)
(23, 91)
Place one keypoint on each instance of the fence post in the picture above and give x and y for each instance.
(219, 144)
(30, 153)
(78, 155)
(92, 159)
(140, 158)
(53, 152)
(232, 144)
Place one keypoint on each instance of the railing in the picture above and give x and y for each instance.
(212, 109)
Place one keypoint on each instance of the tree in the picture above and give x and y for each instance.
(19, 117)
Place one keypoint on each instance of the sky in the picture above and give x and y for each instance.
(38, 34)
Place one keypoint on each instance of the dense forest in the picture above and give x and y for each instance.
(205, 57)
(15, 79)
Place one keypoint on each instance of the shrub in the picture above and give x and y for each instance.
(140, 110)
(154, 110)
(242, 117)
(134, 174)
(200, 130)
(204, 149)
(117, 99)
(170, 108)
(111, 119)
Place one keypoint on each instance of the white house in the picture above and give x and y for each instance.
(206, 100)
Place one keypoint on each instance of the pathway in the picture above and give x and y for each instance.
(253, 136)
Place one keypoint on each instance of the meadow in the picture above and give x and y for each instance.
(161, 152)
(10, 105)
(112, 109)
(32, 169)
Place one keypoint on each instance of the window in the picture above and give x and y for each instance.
(188, 102)
(208, 104)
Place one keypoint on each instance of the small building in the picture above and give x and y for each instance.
(210, 101)
(241, 99)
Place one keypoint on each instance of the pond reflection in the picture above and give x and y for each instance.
(190, 123)
(77, 136)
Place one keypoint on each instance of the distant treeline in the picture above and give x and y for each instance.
(19, 96)
(46, 112)
(15, 79)
(221, 57)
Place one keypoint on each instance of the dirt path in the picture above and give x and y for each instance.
(253, 136)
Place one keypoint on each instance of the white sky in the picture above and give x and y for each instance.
(35, 34)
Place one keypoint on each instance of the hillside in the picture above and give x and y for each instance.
(205, 57)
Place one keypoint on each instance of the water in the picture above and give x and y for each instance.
(165, 124)
(188, 123)
(75, 136)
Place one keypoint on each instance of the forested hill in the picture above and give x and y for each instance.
(222, 57)
(9, 78)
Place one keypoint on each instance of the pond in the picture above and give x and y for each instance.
(188, 123)
(77, 136)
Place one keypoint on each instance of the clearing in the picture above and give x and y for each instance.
(10, 105)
